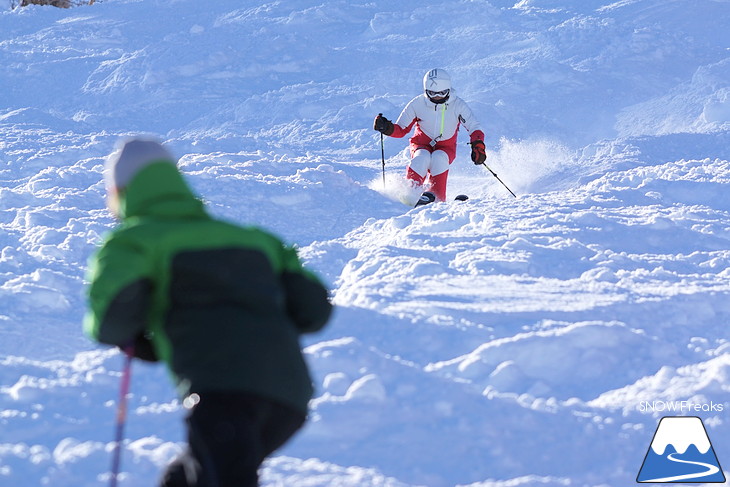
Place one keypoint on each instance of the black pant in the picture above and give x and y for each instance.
(229, 436)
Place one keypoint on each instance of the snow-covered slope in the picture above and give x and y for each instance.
(497, 342)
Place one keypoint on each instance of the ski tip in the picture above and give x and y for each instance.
(461, 197)
(426, 198)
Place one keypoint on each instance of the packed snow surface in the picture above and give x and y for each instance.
(498, 342)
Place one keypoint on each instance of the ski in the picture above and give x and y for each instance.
(428, 197)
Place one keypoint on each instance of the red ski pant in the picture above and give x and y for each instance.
(435, 165)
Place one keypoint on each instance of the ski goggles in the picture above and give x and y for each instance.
(437, 94)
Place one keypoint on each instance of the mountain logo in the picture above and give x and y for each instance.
(680, 452)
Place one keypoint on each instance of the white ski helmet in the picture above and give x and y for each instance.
(437, 85)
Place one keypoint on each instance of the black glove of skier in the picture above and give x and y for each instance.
(143, 349)
(383, 125)
(478, 152)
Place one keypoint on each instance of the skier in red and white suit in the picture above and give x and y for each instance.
(437, 115)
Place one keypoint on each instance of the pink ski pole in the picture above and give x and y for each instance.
(121, 414)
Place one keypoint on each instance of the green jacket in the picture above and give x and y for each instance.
(222, 305)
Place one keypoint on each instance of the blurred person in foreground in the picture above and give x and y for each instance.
(222, 305)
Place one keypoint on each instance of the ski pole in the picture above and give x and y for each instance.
(495, 175)
(382, 154)
(121, 413)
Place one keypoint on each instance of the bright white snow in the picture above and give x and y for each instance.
(498, 342)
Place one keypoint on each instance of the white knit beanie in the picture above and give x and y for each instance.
(130, 157)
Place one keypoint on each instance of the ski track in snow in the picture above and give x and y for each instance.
(497, 342)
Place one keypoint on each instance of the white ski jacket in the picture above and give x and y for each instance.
(437, 125)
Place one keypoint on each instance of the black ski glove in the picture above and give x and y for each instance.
(383, 125)
(143, 349)
(478, 152)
